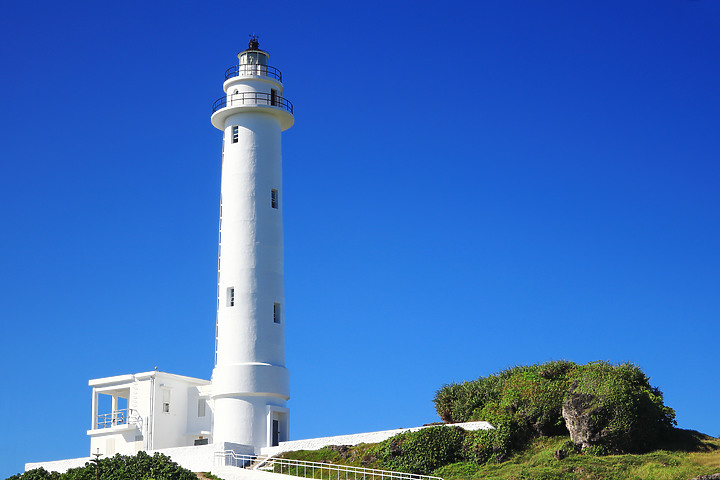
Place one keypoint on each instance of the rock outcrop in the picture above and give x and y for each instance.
(579, 412)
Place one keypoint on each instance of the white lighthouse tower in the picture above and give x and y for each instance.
(250, 382)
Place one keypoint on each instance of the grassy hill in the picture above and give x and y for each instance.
(689, 455)
(558, 420)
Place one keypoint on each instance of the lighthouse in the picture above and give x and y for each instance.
(250, 385)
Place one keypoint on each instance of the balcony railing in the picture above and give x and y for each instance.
(118, 417)
(249, 70)
(252, 98)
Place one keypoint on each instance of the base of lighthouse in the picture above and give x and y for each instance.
(253, 421)
(249, 404)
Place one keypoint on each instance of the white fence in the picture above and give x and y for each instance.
(315, 470)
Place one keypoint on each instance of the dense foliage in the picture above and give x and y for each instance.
(485, 455)
(531, 441)
(628, 412)
(120, 467)
(527, 401)
(422, 451)
(537, 461)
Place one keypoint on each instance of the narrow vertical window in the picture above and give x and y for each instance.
(274, 201)
(276, 312)
(235, 133)
(273, 96)
(231, 296)
(166, 400)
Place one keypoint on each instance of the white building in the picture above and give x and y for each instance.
(149, 411)
(244, 405)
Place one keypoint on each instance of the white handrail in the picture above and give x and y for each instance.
(124, 416)
(301, 468)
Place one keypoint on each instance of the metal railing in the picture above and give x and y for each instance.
(126, 416)
(315, 470)
(252, 98)
(246, 70)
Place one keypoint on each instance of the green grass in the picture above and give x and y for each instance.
(689, 454)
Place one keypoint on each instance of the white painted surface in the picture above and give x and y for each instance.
(200, 458)
(61, 466)
(234, 473)
(358, 438)
(250, 374)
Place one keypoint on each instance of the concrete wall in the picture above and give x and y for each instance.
(199, 458)
(356, 439)
(61, 466)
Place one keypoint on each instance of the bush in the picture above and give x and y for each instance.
(623, 407)
(35, 474)
(527, 402)
(120, 467)
(423, 451)
(482, 446)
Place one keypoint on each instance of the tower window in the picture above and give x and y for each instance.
(274, 199)
(273, 97)
(276, 312)
(231, 296)
(235, 132)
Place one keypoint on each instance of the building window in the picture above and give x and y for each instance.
(276, 312)
(231, 296)
(235, 133)
(274, 198)
(273, 97)
(166, 400)
(201, 407)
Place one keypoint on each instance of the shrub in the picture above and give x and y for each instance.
(527, 402)
(120, 467)
(625, 409)
(423, 451)
(483, 446)
(35, 474)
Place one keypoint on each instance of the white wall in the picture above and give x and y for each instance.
(357, 438)
(199, 458)
(61, 466)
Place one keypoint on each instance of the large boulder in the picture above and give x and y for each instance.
(580, 413)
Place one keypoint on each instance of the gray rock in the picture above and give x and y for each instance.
(578, 412)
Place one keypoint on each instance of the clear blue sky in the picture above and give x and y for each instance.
(468, 186)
